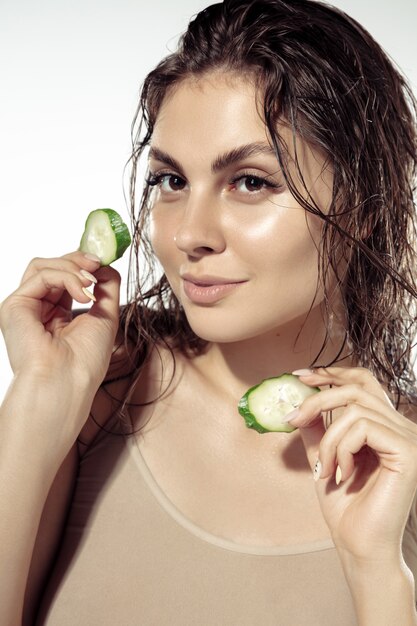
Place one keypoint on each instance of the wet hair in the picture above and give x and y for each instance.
(323, 75)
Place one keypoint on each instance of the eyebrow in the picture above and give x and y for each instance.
(222, 161)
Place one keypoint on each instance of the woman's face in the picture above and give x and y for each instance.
(239, 252)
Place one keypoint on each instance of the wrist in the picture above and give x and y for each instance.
(382, 590)
(43, 414)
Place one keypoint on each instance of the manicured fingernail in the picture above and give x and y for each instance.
(290, 416)
(92, 257)
(338, 475)
(317, 470)
(88, 276)
(89, 294)
(303, 372)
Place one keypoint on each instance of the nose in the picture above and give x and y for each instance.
(200, 231)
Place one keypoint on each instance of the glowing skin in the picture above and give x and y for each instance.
(241, 255)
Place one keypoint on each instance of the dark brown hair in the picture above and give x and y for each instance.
(324, 75)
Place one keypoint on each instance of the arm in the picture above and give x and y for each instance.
(58, 364)
(27, 472)
(51, 526)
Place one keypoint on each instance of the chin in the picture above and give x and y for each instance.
(228, 331)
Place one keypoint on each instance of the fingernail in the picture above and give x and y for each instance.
(89, 294)
(92, 257)
(303, 372)
(290, 416)
(338, 475)
(317, 470)
(88, 276)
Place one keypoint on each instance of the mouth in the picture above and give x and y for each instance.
(208, 289)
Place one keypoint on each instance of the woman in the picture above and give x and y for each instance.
(279, 203)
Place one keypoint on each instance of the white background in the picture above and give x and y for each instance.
(70, 73)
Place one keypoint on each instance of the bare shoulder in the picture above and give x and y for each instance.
(110, 397)
(128, 384)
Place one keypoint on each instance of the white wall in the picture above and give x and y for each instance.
(69, 77)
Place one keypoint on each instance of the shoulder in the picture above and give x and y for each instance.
(151, 352)
(130, 381)
(108, 399)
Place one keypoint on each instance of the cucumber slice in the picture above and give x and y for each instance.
(105, 235)
(264, 405)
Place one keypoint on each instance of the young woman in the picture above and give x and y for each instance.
(279, 203)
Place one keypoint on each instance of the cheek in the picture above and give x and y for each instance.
(281, 242)
(162, 236)
(285, 264)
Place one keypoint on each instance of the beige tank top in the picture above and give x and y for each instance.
(129, 557)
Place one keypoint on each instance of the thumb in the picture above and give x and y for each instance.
(101, 322)
(311, 436)
(107, 293)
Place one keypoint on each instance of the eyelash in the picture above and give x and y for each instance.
(155, 180)
(267, 184)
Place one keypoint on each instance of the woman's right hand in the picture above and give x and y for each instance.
(65, 357)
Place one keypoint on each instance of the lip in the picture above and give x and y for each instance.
(208, 289)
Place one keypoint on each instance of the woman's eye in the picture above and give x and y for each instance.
(252, 184)
(167, 182)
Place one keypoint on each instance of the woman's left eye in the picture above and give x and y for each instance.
(166, 182)
(249, 183)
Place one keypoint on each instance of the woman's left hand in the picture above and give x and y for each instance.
(366, 461)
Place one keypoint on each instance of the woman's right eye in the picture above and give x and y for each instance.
(167, 183)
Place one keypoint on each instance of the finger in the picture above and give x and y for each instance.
(311, 437)
(395, 452)
(48, 284)
(330, 442)
(107, 292)
(338, 397)
(339, 376)
(72, 262)
(57, 296)
(101, 321)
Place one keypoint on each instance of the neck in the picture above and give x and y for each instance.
(301, 343)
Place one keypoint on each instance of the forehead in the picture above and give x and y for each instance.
(217, 108)
(202, 118)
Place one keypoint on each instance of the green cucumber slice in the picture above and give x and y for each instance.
(105, 235)
(264, 405)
